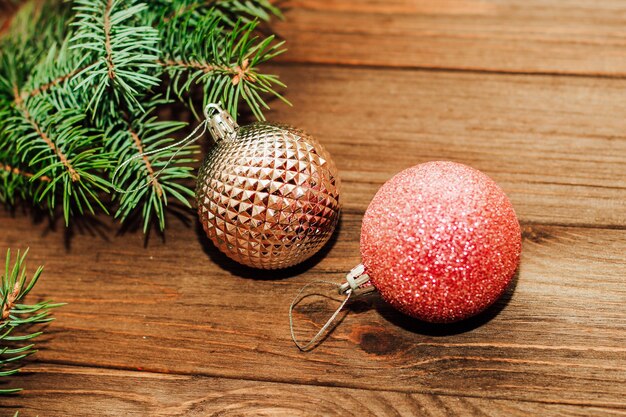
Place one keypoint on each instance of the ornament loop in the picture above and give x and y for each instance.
(196, 134)
(318, 335)
(356, 285)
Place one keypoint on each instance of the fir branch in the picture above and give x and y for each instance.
(46, 129)
(78, 87)
(18, 317)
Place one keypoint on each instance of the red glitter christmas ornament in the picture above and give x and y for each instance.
(440, 241)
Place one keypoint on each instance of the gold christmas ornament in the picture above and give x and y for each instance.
(268, 194)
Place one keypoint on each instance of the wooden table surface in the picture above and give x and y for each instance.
(532, 92)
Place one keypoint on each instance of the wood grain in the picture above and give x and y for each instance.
(556, 145)
(167, 327)
(59, 391)
(536, 36)
(177, 307)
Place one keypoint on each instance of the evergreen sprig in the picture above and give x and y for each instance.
(50, 135)
(16, 318)
(119, 50)
(223, 60)
(82, 83)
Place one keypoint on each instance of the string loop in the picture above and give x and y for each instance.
(181, 144)
(356, 283)
(318, 335)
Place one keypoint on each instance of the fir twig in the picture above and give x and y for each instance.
(58, 80)
(16, 171)
(17, 318)
(44, 136)
(150, 178)
(123, 50)
(224, 61)
(57, 145)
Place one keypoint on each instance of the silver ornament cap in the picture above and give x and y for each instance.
(267, 194)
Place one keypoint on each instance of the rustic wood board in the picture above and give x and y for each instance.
(557, 145)
(171, 327)
(557, 337)
(529, 36)
(106, 392)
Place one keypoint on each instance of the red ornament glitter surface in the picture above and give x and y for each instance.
(440, 241)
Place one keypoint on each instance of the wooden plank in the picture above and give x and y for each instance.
(180, 307)
(534, 36)
(63, 391)
(556, 145)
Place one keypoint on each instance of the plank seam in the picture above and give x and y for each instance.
(468, 70)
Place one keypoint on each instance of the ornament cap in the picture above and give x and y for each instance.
(357, 282)
(221, 124)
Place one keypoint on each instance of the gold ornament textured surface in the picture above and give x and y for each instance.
(270, 197)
